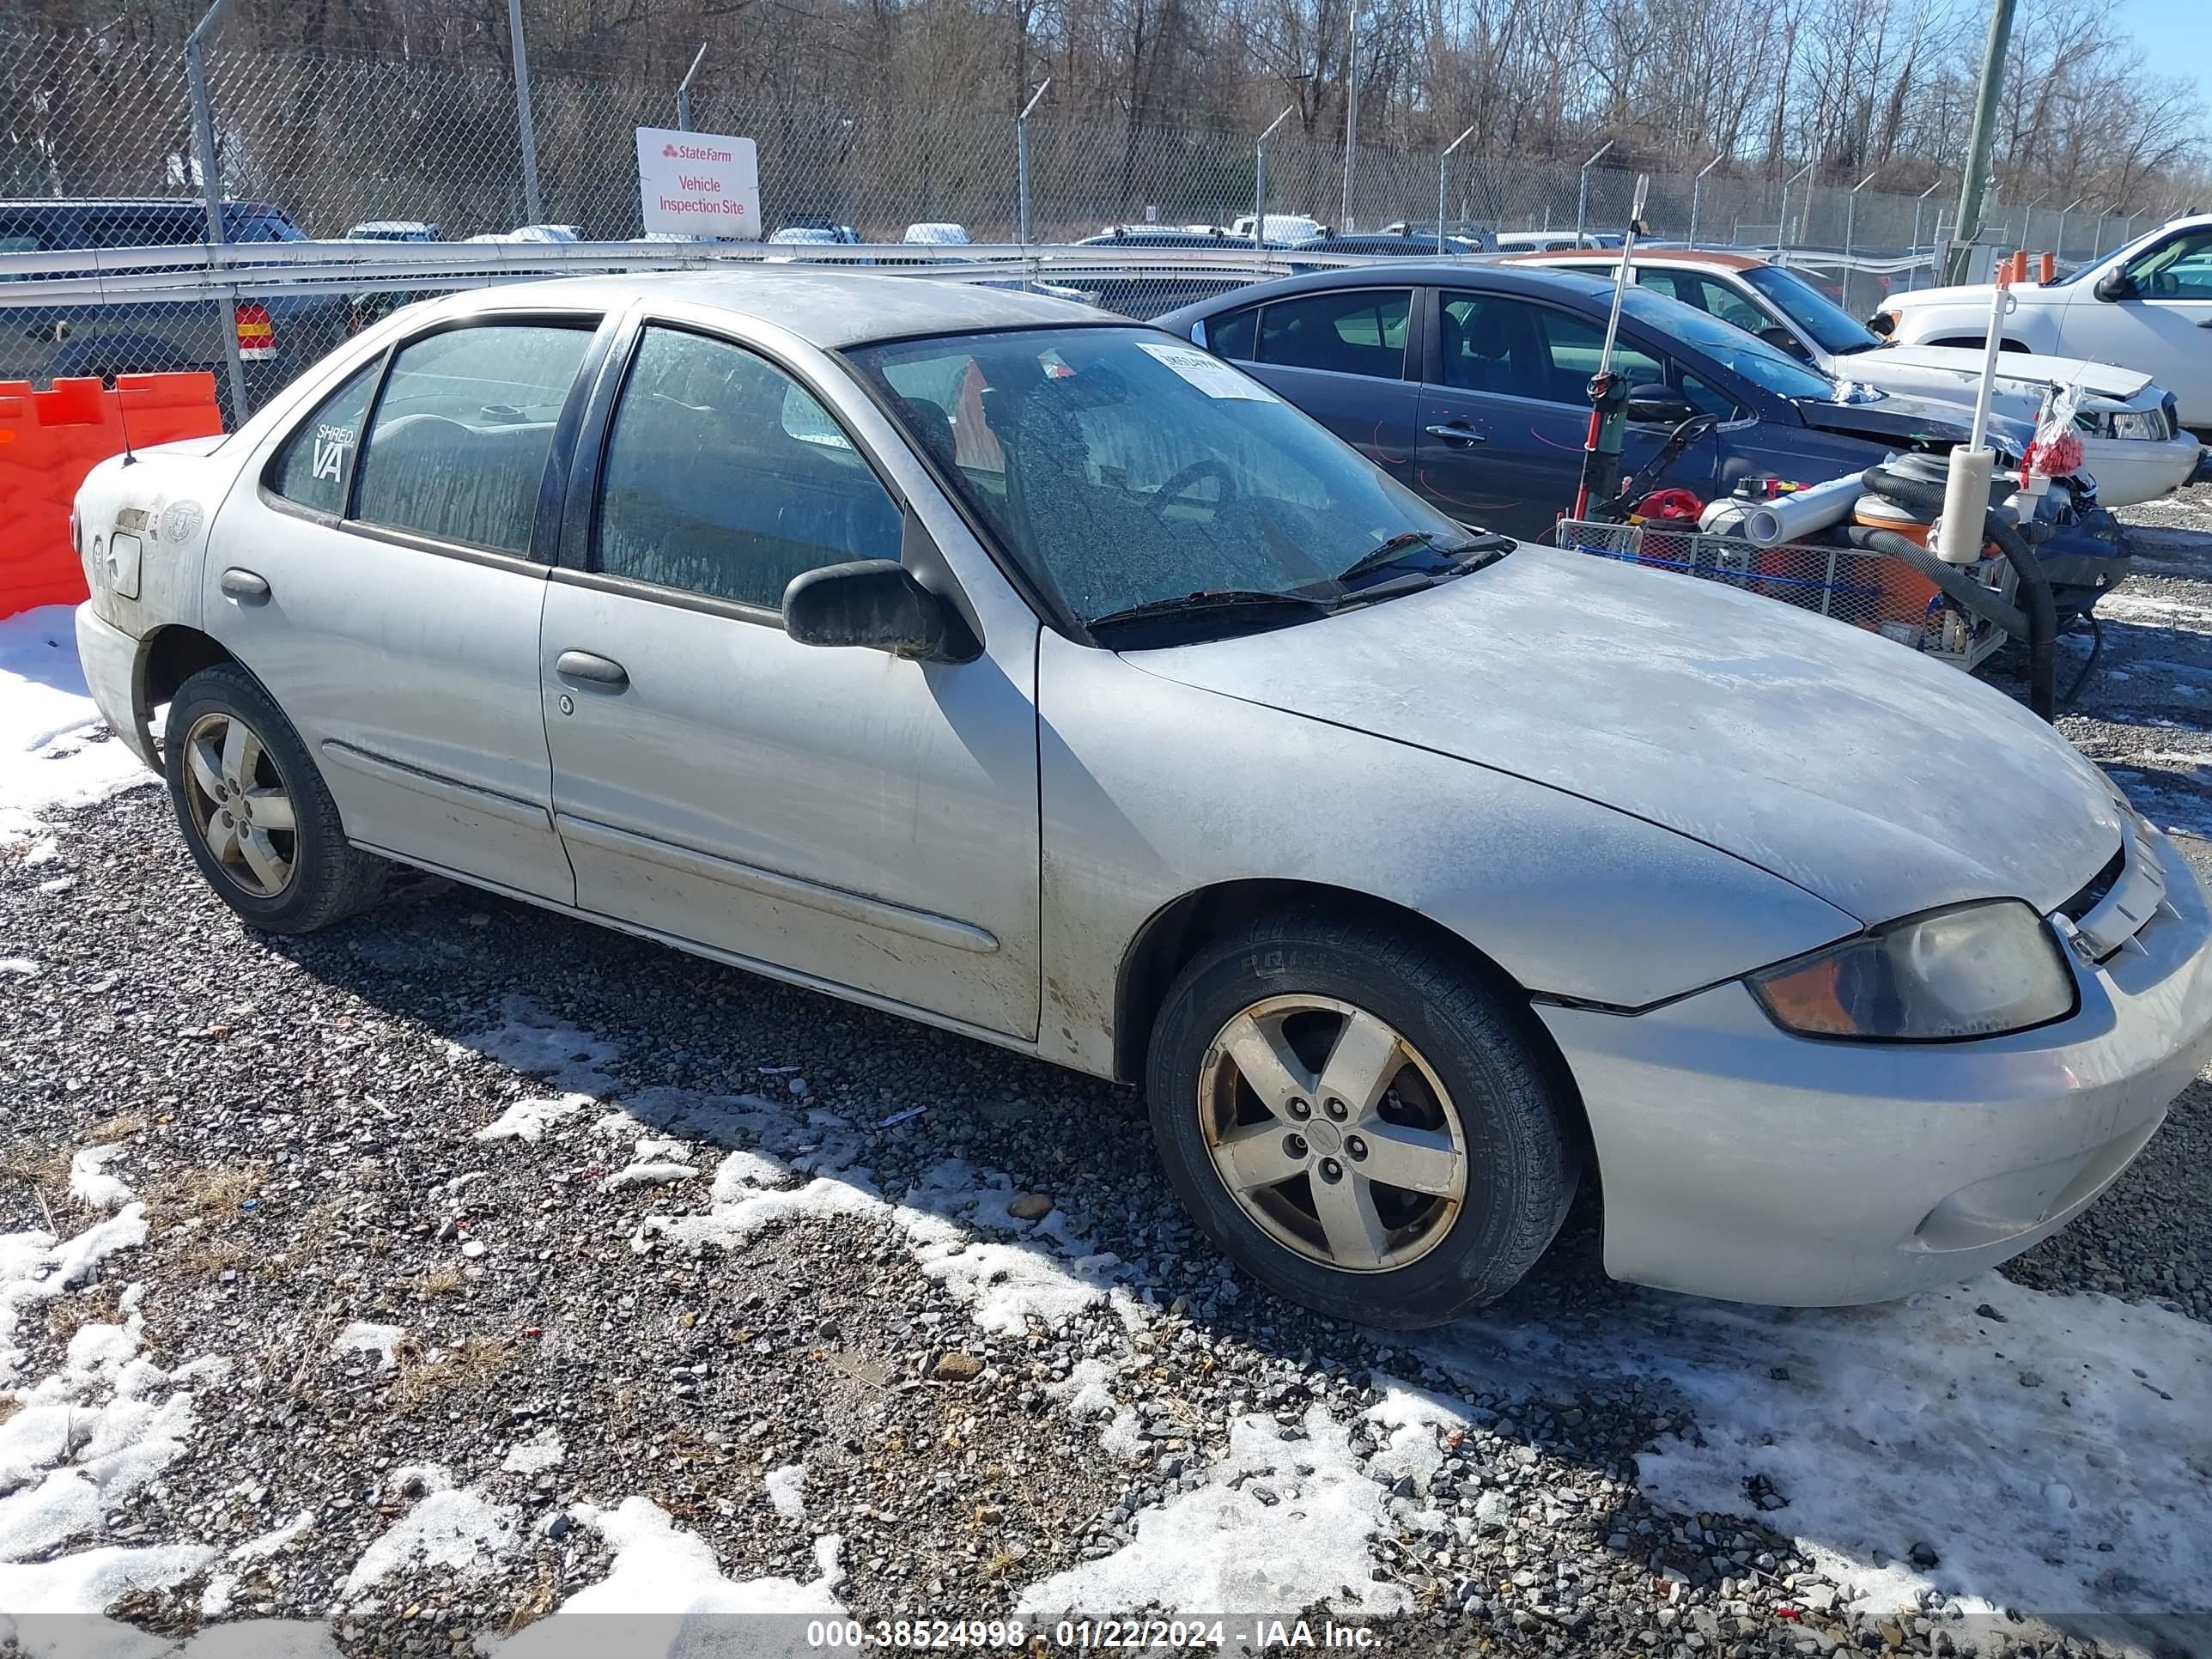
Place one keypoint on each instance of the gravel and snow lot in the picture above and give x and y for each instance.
(462, 1271)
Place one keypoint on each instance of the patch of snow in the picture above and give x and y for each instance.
(363, 1337)
(261, 1549)
(89, 1183)
(648, 1175)
(542, 1450)
(527, 1039)
(21, 966)
(47, 724)
(83, 1585)
(1224, 1547)
(664, 1580)
(35, 1267)
(214, 1599)
(529, 1119)
(2016, 1444)
(454, 1526)
(787, 1491)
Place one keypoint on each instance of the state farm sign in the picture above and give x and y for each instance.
(697, 184)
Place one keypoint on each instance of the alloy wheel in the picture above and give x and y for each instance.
(238, 799)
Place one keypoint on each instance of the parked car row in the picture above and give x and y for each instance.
(987, 656)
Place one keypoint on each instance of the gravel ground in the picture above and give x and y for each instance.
(728, 1230)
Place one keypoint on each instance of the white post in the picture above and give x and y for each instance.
(1581, 196)
(1260, 194)
(526, 127)
(683, 89)
(1918, 203)
(1351, 109)
(1782, 229)
(1850, 224)
(2059, 251)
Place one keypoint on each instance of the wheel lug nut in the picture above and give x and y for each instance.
(1337, 1109)
(1301, 1109)
(1331, 1170)
(1294, 1146)
(1354, 1145)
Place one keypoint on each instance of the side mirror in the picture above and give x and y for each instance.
(875, 603)
(1883, 323)
(2115, 285)
(1658, 405)
(1783, 340)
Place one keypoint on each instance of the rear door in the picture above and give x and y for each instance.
(1504, 414)
(381, 570)
(1346, 357)
(852, 817)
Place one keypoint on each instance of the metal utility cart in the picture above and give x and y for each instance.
(1865, 588)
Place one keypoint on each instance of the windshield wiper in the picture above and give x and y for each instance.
(1215, 599)
(1400, 545)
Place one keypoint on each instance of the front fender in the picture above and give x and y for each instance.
(1152, 790)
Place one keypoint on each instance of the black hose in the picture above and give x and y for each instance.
(2081, 678)
(2041, 612)
(1984, 602)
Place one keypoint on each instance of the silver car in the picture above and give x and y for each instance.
(978, 656)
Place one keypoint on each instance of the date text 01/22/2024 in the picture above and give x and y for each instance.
(1104, 1635)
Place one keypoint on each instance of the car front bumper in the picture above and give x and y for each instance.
(2130, 471)
(1738, 1161)
(109, 658)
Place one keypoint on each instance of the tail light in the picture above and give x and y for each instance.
(257, 335)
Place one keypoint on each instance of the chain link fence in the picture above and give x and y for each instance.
(423, 141)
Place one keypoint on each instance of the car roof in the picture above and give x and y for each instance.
(1492, 274)
(832, 309)
(1657, 256)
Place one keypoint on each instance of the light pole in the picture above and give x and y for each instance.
(1259, 191)
(2060, 250)
(1782, 228)
(1582, 194)
(1022, 156)
(683, 89)
(1971, 179)
(1919, 202)
(1441, 160)
(1351, 108)
(1696, 189)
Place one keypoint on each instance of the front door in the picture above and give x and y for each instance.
(2166, 330)
(386, 594)
(842, 815)
(1346, 357)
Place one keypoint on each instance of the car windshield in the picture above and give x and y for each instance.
(1761, 364)
(1834, 329)
(1125, 468)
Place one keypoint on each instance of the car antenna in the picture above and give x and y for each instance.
(122, 419)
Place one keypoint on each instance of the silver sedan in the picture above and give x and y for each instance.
(977, 656)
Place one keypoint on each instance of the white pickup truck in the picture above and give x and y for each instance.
(2146, 306)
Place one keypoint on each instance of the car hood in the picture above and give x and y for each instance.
(1880, 781)
(1899, 419)
(2032, 370)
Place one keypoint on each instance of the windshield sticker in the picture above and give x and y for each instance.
(1208, 373)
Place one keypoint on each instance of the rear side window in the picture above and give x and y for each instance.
(457, 447)
(315, 463)
(1357, 332)
(1232, 335)
(725, 477)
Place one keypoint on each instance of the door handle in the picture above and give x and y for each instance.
(594, 669)
(1458, 432)
(244, 585)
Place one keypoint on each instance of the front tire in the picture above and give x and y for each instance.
(1358, 1122)
(254, 810)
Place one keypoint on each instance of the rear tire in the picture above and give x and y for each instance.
(255, 812)
(1373, 1056)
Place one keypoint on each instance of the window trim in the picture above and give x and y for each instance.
(380, 363)
(577, 564)
(1415, 347)
(1672, 360)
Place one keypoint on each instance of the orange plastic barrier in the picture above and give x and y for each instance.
(49, 440)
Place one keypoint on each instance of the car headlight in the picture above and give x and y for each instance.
(2146, 424)
(1971, 970)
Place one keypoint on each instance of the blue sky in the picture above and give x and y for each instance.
(2175, 36)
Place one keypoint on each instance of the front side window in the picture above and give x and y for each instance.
(1123, 467)
(1762, 365)
(725, 477)
(1353, 332)
(1232, 335)
(459, 445)
(2178, 270)
(314, 465)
